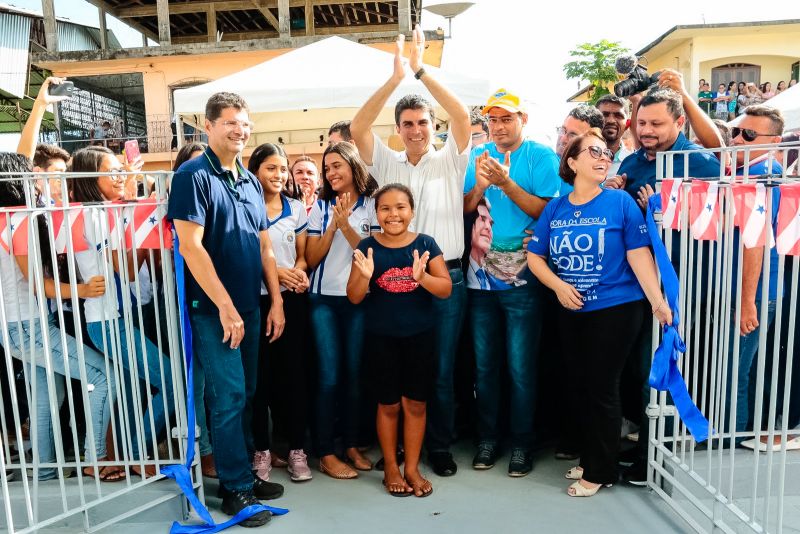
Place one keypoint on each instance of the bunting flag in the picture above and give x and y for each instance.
(671, 203)
(788, 240)
(69, 222)
(750, 203)
(704, 210)
(146, 225)
(14, 231)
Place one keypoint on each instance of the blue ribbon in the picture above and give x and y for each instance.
(664, 372)
(181, 472)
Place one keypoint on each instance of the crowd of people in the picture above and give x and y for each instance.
(353, 285)
(729, 101)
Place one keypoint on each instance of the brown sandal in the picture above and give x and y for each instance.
(343, 474)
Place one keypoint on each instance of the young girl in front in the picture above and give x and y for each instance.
(343, 215)
(403, 271)
(282, 365)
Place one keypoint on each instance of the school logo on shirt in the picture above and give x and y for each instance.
(363, 227)
(397, 280)
(288, 236)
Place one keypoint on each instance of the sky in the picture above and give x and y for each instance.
(515, 44)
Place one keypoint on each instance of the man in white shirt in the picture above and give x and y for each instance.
(436, 178)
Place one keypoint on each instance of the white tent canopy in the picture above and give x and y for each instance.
(789, 104)
(331, 73)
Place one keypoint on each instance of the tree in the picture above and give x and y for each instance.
(595, 64)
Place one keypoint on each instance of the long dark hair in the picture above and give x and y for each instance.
(362, 181)
(185, 153)
(89, 159)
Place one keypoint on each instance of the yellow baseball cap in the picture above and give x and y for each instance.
(506, 100)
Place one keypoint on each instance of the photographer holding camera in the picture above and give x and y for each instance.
(657, 121)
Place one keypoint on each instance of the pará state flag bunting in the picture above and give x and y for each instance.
(143, 222)
(750, 202)
(14, 231)
(671, 203)
(69, 222)
(788, 240)
(704, 210)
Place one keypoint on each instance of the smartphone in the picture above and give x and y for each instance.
(132, 150)
(61, 89)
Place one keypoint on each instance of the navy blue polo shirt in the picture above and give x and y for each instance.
(641, 171)
(232, 213)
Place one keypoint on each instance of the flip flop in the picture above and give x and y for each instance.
(107, 474)
(424, 493)
(396, 493)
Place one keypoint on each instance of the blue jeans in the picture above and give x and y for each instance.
(230, 381)
(200, 406)
(510, 321)
(449, 315)
(338, 329)
(99, 395)
(748, 348)
(149, 360)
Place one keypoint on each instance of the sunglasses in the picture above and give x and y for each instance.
(747, 134)
(596, 152)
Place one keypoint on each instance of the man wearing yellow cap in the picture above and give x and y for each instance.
(436, 179)
(517, 177)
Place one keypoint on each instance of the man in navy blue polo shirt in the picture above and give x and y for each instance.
(218, 210)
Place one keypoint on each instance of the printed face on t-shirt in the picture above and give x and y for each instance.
(482, 233)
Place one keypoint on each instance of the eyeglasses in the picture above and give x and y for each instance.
(561, 131)
(747, 134)
(244, 125)
(596, 152)
(479, 135)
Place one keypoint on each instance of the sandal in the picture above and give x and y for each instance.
(107, 473)
(579, 490)
(393, 493)
(360, 462)
(420, 485)
(575, 473)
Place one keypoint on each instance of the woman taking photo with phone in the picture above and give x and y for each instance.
(591, 248)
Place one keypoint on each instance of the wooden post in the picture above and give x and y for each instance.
(162, 11)
(404, 16)
(284, 22)
(309, 17)
(50, 25)
(103, 30)
(211, 23)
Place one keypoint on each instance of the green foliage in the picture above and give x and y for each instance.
(594, 63)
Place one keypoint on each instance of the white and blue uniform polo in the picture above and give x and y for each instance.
(331, 275)
(291, 222)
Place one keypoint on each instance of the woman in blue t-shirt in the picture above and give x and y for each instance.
(402, 270)
(592, 249)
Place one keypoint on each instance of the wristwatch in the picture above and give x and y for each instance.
(419, 73)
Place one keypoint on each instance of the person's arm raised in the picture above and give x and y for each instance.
(200, 265)
(459, 116)
(702, 124)
(361, 125)
(30, 133)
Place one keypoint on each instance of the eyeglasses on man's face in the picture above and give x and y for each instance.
(748, 134)
(232, 125)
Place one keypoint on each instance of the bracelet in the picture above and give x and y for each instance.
(419, 73)
(658, 307)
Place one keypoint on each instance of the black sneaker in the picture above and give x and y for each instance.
(267, 490)
(485, 457)
(636, 474)
(235, 501)
(521, 463)
(442, 463)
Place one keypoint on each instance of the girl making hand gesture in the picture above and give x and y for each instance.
(403, 271)
(343, 215)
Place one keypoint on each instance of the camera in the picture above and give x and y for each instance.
(637, 79)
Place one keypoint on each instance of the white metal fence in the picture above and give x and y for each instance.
(127, 394)
(719, 485)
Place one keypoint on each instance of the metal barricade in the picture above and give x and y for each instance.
(719, 485)
(72, 368)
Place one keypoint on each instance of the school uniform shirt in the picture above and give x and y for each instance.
(15, 289)
(331, 275)
(92, 262)
(534, 167)
(291, 222)
(396, 304)
(436, 182)
(586, 245)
